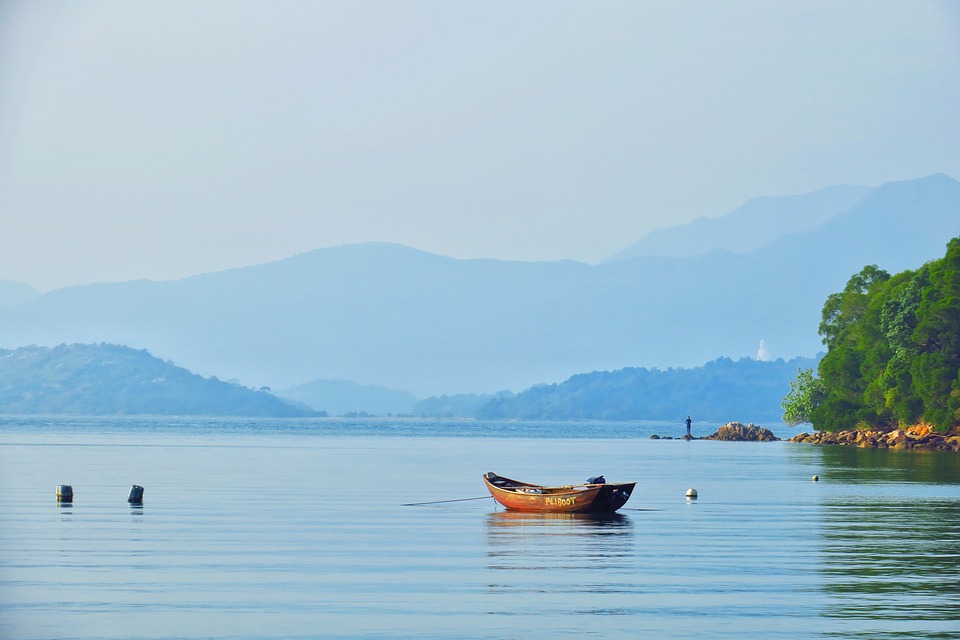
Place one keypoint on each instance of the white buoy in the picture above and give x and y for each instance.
(64, 493)
(816, 478)
(692, 493)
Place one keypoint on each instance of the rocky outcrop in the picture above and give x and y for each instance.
(733, 432)
(737, 432)
(917, 438)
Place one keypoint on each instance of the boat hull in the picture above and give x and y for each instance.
(581, 498)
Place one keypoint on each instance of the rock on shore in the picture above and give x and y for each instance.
(735, 431)
(918, 438)
(732, 431)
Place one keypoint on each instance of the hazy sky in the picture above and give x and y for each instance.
(163, 139)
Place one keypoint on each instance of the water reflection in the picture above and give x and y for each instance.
(894, 561)
(550, 541)
(890, 555)
(588, 523)
(853, 464)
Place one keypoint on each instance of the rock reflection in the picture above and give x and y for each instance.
(863, 465)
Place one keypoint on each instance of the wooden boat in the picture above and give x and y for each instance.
(596, 497)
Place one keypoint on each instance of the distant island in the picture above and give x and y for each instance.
(108, 379)
(745, 389)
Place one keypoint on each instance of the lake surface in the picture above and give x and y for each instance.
(300, 529)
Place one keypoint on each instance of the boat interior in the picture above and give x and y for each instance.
(525, 487)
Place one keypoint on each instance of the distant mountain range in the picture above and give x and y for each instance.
(86, 379)
(750, 227)
(16, 293)
(723, 390)
(387, 315)
(105, 379)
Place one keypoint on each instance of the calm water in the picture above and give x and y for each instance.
(298, 529)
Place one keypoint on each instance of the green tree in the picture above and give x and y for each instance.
(936, 338)
(844, 310)
(898, 320)
(843, 329)
(806, 394)
(893, 350)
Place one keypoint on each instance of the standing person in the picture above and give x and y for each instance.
(689, 422)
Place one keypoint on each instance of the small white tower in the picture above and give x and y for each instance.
(762, 352)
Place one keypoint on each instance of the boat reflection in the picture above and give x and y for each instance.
(577, 542)
(579, 523)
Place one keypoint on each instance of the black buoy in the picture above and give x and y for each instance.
(136, 495)
(64, 493)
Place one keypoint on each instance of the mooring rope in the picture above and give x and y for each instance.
(417, 504)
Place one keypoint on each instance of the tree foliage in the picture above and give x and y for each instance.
(806, 393)
(893, 350)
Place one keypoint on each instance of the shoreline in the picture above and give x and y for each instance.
(916, 438)
(919, 438)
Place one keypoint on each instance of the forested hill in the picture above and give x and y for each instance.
(86, 379)
(723, 390)
(893, 350)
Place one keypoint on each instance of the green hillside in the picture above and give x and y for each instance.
(722, 390)
(106, 379)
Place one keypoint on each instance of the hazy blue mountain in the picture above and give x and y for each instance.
(388, 315)
(899, 225)
(339, 397)
(721, 391)
(460, 405)
(87, 379)
(755, 224)
(16, 293)
(372, 313)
